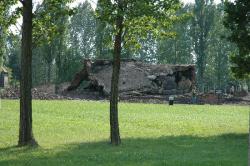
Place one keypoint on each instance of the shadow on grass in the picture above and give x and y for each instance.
(222, 150)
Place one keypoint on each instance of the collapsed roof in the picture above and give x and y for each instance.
(137, 77)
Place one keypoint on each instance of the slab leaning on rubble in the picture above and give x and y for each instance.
(136, 78)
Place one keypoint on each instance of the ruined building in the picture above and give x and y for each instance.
(136, 78)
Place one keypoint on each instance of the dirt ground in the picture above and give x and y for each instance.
(47, 92)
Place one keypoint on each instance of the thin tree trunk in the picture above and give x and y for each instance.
(114, 125)
(58, 73)
(201, 64)
(25, 126)
(249, 140)
(49, 62)
(2, 47)
(176, 54)
(49, 73)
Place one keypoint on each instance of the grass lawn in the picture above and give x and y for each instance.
(77, 133)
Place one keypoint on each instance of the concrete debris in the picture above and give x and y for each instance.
(137, 78)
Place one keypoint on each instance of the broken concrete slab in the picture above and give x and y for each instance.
(136, 76)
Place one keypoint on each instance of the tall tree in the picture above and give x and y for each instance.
(3, 46)
(147, 51)
(237, 20)
(25, 130)
(13, 56)
(82, 31)
(59, 45)
(103, 39)
(218, 52)
(179, 49)
(202, 22)
(25, 127)
(6, 19)
(132, 20)
(50, 23)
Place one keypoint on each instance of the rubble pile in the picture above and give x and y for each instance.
(13, 93)
(139, 82)
(136, 78)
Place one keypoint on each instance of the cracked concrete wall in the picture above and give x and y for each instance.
(141, 78)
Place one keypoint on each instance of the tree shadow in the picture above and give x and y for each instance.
(222, 150)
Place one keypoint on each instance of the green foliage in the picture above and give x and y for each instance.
(237, 20)
(13, 55)
(49, 35)
(218, 52)
(6, 19)
(146, 51)
(82, 31)
(103, 40)
(140, 18)
(62, 42)
(45, 27)
(203, 21)
(77, 132)
(178, 50)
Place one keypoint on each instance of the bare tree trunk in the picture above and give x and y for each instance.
(2, 47)
(249, 140)
(49, 60)
(114, 124)
(49, 73)
(25, 126)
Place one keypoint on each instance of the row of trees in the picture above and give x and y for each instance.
(45, 29)
(34, 32)
(56, 38)
(200, 39)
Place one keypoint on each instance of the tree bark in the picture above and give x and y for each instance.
(249, 140)
(25, 126)
(49, 60)
(201, 62)
(2, 47)
(49, 73)
(114, 124)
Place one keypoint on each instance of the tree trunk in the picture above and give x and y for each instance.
(49, 60)
(249, 140)
(99, 38)
(58, 73)
(49, 73)
(201, 63)
(25, 126)
(59, 66)
(2, 47)
(114, 125)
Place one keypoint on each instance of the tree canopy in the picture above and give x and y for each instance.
(237, 20)
(130, 22)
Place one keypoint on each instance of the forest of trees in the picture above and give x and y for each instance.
(55, 39)
(200, 39)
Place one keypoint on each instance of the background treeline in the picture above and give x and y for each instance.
(200, 40)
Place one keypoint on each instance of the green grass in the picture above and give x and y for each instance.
(77, 133)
